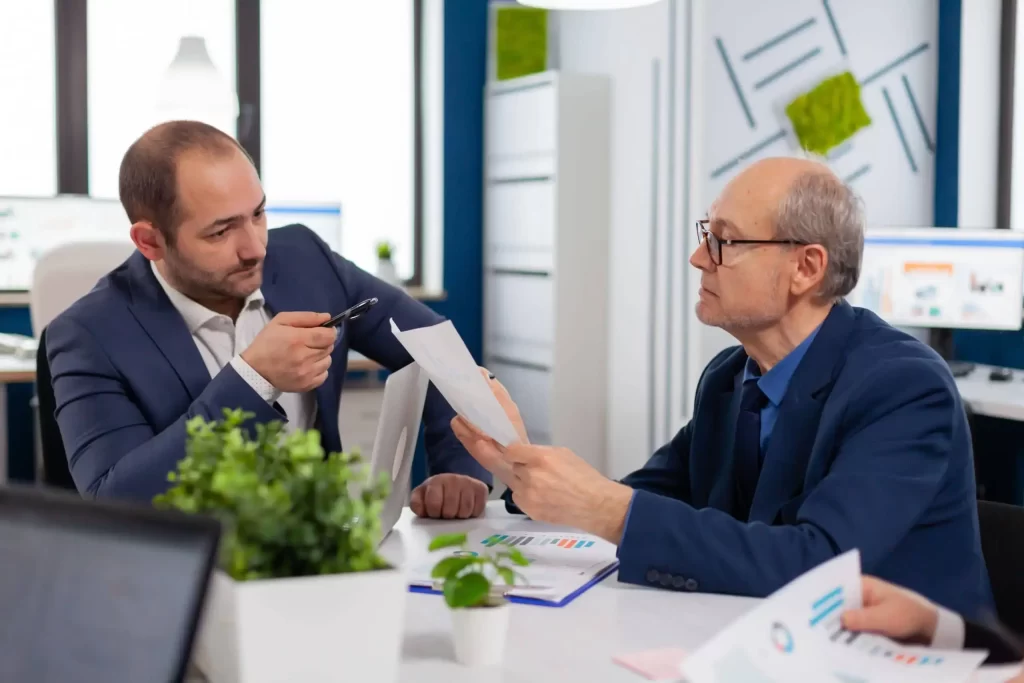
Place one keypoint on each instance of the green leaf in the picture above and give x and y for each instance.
(468, 590)
(451, 566)
(517, 557)
(447, 541)
(507, 575)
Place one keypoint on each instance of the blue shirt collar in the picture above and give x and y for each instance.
(775, 382)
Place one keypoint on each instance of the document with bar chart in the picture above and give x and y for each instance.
(796, 634)
(562, 565)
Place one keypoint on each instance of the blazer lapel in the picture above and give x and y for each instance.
(164, 325)
(789, 450)
(281, 298)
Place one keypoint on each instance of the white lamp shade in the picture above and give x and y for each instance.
(193, 89)
(586, 4)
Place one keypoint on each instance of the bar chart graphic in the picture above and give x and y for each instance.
(537, 541)
(826, 606)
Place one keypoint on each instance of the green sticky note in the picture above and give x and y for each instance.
(829, 114)
(521, 41)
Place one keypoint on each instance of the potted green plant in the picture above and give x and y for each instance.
(301, 589)
(385, 266)
(479, 613)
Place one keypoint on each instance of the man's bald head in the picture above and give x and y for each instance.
(802, 200)
(148, 180)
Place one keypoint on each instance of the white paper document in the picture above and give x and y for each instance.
(442, 354)
(796, 635)
(560, 563)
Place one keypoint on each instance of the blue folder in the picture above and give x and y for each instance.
(598, 578)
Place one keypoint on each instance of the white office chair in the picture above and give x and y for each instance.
(66, 273)
(62, 276)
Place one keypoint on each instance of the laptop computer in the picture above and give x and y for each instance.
(394, 447)
(95, 592)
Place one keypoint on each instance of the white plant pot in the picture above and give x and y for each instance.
(479, 634)
(386, 271)
(341, 627)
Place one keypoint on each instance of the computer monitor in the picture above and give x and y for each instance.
(96, 592)
(943, 277)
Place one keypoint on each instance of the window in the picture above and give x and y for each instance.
(338, 117)
(131, 44)
(28, 145)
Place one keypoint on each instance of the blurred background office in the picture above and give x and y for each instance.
(535, 174)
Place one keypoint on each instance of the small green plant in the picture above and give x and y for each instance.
(385, 250)
(286, 509)
(467, 575)
(829, 114)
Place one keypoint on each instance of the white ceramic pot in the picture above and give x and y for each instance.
(341, 627)
(479, 634)
(386, 271)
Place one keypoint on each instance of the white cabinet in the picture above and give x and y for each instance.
(546, 254)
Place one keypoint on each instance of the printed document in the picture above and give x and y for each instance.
(560, 563)
(796, 635)
(442, 354)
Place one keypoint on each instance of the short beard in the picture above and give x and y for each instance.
(198, 284)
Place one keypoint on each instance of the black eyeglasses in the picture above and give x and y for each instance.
(714, 243)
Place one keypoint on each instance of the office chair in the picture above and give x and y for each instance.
(1002, 528)
(61, 276)
(55, 462)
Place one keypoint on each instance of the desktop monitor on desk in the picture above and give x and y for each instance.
(943, 279)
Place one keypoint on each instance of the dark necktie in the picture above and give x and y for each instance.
(748, 445)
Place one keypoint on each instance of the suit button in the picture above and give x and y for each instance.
(691, 584)
(678, 582)
(666, 580)
(653, 575)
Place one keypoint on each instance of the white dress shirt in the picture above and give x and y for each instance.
(949, 631)
(221, 340)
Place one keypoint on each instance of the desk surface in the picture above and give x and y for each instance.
(994, 399)
(572, 643)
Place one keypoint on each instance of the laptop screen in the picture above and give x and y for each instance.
(91, 592)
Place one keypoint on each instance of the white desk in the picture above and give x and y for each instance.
(572, 643)
(994, 399)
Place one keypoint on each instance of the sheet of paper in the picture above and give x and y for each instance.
(1000, 673)
(654, 665)
(796, 634)
(442, 354)
(560, 563)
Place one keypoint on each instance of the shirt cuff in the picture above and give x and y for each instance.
(267, 391)
(949, 631)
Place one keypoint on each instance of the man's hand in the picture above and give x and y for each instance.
(893, 612)
(555, 485)
(507, 404)
(449, 496)
(293, 352)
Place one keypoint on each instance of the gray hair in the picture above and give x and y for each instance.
(821, 209)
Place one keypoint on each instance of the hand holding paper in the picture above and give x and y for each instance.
(442, 354)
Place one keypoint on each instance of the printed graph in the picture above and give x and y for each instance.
(537, 541)
(826, 613)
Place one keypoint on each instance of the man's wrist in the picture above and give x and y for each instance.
(610, 508)
(267, 391)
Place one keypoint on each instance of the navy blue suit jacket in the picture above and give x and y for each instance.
(127, 374)
(870, 450)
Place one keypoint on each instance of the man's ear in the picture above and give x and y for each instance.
(149, 240)
(812, 260)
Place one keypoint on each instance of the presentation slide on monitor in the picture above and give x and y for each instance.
(947, 282)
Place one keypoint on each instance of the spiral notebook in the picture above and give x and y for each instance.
(562, 565)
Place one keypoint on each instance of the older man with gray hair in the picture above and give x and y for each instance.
(825, 430)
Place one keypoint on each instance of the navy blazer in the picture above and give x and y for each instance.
(871, 450)
(127, 374)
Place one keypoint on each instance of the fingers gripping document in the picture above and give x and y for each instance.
(796, 634)
(441, 353)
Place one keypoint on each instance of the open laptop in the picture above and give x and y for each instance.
(95, 592)
(401, 413)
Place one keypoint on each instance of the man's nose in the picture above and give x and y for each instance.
(252, 246)
(701, 259)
